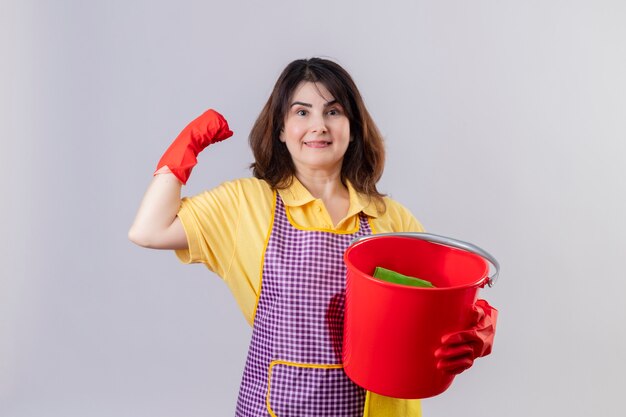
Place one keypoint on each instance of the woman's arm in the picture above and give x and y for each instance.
(156, 224)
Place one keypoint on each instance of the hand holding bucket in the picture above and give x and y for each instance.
(459, 350)
(391, 332)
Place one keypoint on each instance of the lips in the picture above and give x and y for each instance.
(317, 143)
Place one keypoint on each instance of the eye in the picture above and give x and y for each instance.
(301, 112)
(334, 112)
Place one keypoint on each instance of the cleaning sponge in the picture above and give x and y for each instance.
(396, 278)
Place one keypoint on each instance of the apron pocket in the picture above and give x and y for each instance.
(301, 390)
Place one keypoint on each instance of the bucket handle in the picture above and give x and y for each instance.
(448, 241)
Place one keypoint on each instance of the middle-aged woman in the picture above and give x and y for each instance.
(278, 239)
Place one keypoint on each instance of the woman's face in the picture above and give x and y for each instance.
(316, 130)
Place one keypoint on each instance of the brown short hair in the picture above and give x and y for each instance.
(364, 160)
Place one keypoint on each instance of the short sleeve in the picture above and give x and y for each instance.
(397, 218)
(411, 223)
(210, 220)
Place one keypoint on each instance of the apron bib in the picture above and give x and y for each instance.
(294, 366)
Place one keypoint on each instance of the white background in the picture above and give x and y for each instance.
(505, 123)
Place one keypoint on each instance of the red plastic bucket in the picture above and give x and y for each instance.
(391, 331)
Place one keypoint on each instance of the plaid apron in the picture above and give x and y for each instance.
(294, 361)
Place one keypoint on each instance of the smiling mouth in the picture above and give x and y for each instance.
(318, 143)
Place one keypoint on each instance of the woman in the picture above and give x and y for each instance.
(278, 239)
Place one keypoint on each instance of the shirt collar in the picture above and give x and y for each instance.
(297, 195)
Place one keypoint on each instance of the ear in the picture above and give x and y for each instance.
(281, 134)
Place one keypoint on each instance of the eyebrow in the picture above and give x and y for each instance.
(300, 103)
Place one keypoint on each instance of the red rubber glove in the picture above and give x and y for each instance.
(459, 350)
(210, 127)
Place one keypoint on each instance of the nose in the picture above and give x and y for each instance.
(318, 124)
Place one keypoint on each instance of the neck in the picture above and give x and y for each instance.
(322, 185)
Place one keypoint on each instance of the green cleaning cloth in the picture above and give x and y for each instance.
(396, 278)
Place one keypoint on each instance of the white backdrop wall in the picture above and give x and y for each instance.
(505, 123)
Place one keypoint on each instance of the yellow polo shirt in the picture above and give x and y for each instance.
(228, 228)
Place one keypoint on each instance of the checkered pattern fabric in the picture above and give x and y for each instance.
(298, 328)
